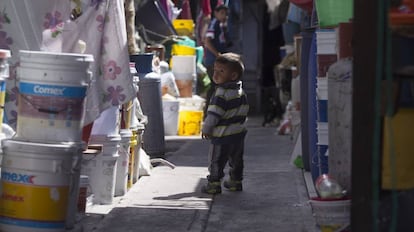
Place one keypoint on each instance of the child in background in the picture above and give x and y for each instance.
(216, 41)
(224, 124)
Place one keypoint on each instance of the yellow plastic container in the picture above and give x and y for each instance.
(189, 122)
(127, 113)
(397, 145)
(329, 228)
(184, 27)
(182, 50)
(133, 146)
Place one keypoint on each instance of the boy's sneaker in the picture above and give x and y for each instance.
(233, 185)
(212, 188)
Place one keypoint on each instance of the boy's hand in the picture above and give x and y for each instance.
(205, 136)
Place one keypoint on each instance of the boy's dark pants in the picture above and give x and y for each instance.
(219, 154)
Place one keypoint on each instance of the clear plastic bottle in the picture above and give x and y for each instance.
(328, 188)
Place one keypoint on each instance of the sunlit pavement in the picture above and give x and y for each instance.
(274, 198)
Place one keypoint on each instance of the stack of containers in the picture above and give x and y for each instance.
(4, 75)
(330, 13)
(190, 112)
(340, 109)
(41, 163)
(101, 166)
(326, 56)
(316, 163)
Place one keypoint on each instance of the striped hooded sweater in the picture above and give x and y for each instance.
(226, 114)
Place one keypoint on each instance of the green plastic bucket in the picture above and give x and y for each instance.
(332, 12)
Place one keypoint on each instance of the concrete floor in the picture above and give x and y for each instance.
(275, 195)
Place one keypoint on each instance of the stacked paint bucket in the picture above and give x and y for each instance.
(41, 163)
(4, 74)
(326, 56)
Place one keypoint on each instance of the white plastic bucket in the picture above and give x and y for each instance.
(194, 103)
(110, 143)
(322, 88)
(52, 91)
(184, 67)
(101, 171)
(323, 133)
(35, 185)
(326, 41)
(121, 179)
(170, 109)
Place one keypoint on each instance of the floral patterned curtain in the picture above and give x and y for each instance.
(48, 25)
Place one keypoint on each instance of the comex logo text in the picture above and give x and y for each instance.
(17, 178)
(48, 90)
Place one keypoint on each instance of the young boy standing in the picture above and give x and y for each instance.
(224, 124)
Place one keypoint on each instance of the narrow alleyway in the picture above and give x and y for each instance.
(274, 197)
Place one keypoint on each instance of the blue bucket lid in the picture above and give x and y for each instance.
(143, 62)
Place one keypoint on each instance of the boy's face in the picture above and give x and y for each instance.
(221, 15)
(223, 74)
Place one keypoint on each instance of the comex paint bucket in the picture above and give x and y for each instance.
(35, 183)
(4, 74)
(52, 90)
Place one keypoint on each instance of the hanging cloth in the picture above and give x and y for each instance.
(186, 10)
(47, 25)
